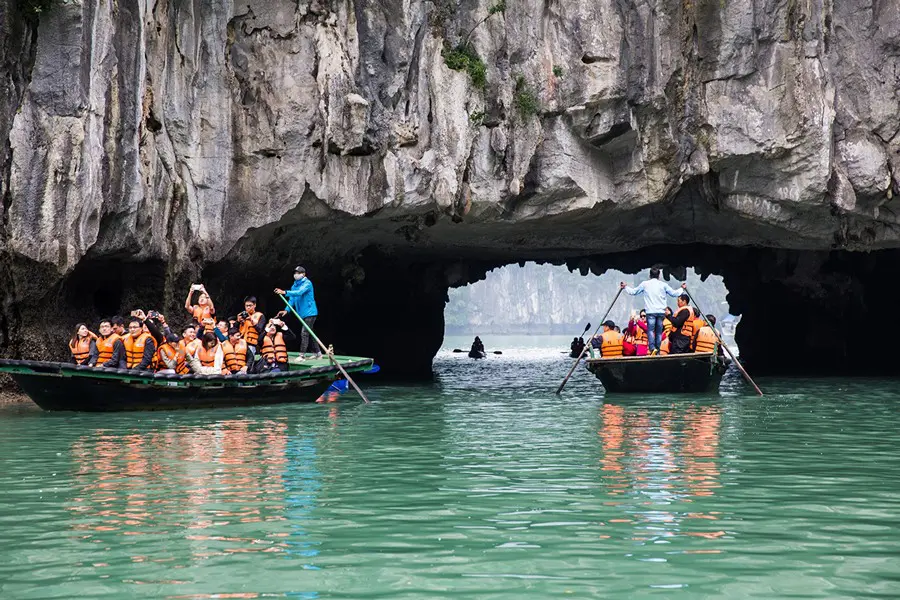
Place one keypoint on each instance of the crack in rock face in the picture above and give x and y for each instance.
(148, 145)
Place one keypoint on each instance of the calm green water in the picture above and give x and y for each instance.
(484, 485)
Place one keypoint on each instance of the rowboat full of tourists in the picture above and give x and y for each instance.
(660, 351)
(58, 386)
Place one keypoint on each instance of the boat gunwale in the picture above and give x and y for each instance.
(658, 357)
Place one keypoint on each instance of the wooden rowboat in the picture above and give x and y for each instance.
(671, 373)
(65, 386)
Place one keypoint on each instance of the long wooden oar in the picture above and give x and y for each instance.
(727, 349)
(327, 352)
(588, 345)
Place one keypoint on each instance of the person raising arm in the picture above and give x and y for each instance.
(204, 311)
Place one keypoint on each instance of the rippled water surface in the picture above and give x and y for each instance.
(482, 485)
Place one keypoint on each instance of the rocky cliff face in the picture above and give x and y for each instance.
(146, 143)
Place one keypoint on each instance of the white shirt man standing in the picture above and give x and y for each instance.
(654, 292)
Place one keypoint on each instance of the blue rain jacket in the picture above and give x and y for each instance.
(302, 298)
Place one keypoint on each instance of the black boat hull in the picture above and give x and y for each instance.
(71, 393)
(673, 373)
(476, 355)
(69, 387)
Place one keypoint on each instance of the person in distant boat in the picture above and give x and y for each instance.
(252, 323)
(204, 311)
(637, 330)
(667, 321)
(682, 327)
(302, 298)
(110, 351)
(705, 339)
(611, 341)
(140, 347)
(577, 347)
(82, 345)
(654, 292)
(477, 346)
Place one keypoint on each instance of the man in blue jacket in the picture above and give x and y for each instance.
(303, 300)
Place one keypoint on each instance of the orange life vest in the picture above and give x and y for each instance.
(248, 330)
(81, 349)
(664, 346)
(688, 328)
(611, 344)
(189, 347)
(105, 347)
(235, 355)
(274, 349)
(169, 352)
(202, 312)
(640, 336)
(134, 349)
(667, 325)
(706, 340)
(207, 357)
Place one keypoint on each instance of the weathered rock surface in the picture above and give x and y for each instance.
(145, 143)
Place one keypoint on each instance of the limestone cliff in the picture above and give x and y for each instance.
(145, 143)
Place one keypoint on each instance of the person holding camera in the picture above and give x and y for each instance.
(252, 323)
(303, 300)
(204, 311)
(273, 348)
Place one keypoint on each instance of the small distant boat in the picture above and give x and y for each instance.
(671, 373)
(476, 354)
(66, 386)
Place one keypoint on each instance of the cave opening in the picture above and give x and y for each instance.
(543, 308)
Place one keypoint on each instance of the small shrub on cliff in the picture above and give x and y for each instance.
(464, 58)
(558, 71)
(525, 99)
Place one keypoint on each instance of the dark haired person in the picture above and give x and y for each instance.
(118, 326)
(252, 323)
(82, 345)
(110, 350)
(705, 339)
(204, 311)
(273, 348)
(236, 352)
(682, 327)
(303, 300)
(611, 342)
(654, 292)
(208, 359)
(140, 347)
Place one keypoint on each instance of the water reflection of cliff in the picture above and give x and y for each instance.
(656, 461)
(194, 493)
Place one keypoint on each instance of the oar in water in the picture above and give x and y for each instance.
(727, 349)
(326, 350)
(588, 345)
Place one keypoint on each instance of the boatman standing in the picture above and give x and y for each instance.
(303, 300)
(654, 292)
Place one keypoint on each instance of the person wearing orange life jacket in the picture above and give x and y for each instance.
(705, 339)
(208, 359)
(140, 347)
(189, 342)
(272, 347)
(610, 342)
(171, 358)
(237, 352)
(667, 321)
(697, 324)
(82, 345)
(252, 323)
(204, 311)
(664, 346)
(682, 327)
(110, 351)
